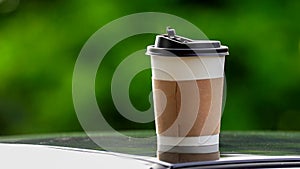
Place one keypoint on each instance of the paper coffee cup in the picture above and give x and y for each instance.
(187, 83)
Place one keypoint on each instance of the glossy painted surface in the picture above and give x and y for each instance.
(256, 143)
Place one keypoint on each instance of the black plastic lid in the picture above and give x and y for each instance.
(171, 44)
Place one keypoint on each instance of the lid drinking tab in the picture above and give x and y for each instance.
(171, 32)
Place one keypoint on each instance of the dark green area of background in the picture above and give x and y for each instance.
(40, 41)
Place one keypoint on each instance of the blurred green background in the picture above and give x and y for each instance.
(41, 39)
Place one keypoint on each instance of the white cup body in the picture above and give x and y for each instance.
(187, 68)
(188, 72)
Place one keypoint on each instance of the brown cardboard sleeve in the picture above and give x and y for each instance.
(208, 116)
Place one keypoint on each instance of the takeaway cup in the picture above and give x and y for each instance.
(187, 84)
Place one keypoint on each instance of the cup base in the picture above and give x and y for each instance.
(187, 157)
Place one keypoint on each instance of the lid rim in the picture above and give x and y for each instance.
(181, 52)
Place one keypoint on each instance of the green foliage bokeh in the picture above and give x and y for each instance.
(40, 41)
